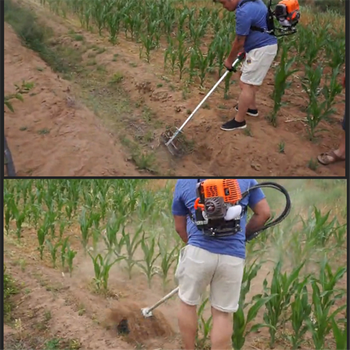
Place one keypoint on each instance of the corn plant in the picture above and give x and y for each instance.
(340, 335)
(63, 224)
(113, 22)
(240, 321)
(204, 327)
(112, 229)
(283, 286)
(316, 110)
(167, 259)
(70, 255)
(10, 209)
(131, 245)
(41, 234)
(182, 58)
(150, 257)
(85, 221)
(53, 248)
(64, 246)
(102, 266)
(332, 90)
(283, 72)
(19, 217)
(318, 229)
(300, 313)
(203, 64)
(320, 323)
(227, 85)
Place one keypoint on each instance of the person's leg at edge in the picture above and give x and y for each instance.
(253, 104)
(246, 99)
(341, 151)
(337, 154)
(222, 329)
(187, 319)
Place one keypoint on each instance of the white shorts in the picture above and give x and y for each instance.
(198, 268)
(257, 63)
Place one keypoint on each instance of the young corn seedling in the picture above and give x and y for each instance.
(203, 63)
(10, 209)
(49, 219)
(331, 91)
(85, 221)
(69, 210)
(227, 85)
(318, 229)
(147, 42)
(300, 312)
(102, 266)
(149, 259)
(316, 110)
(112, 229)
(113, 23)
(41, 234)
(204, 327)
(240, 322)
(283, 72)
(168, 259)
(320, 322)
(53, 248)
(70, 255)
(131, 245)
(183, 55)
(283, 287)
(340, 335)
(64, 245)
(19, 217)
(95, 218)
(63, 225)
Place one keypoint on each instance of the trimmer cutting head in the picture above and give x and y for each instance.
(174, 146)
(145, 312)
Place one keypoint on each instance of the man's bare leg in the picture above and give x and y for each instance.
(187, 319)
(253, 104)
(221, 331)
(246, 99)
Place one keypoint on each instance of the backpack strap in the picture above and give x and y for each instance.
(269, 20)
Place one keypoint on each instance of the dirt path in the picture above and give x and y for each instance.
(50, 133)
(154, 99)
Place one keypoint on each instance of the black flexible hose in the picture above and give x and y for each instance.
(282, 216)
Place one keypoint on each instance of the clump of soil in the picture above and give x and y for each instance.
(127, 320)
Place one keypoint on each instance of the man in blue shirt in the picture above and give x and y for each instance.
(214, 261)
(260, 48)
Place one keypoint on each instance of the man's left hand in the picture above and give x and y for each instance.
(228, 64)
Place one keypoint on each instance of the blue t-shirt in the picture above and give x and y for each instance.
(253, 13)
(183, 202)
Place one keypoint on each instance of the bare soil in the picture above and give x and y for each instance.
(86, 127)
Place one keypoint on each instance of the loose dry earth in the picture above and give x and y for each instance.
(107, 119)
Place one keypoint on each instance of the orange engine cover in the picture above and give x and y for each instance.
(228, 189)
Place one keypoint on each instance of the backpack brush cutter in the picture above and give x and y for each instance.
(218, 213)
(287, 15)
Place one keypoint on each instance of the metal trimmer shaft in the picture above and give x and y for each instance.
(235, 63)
(147, 312)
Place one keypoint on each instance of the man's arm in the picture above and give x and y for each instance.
(237, 46)
(261, 214)
(181, 227)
